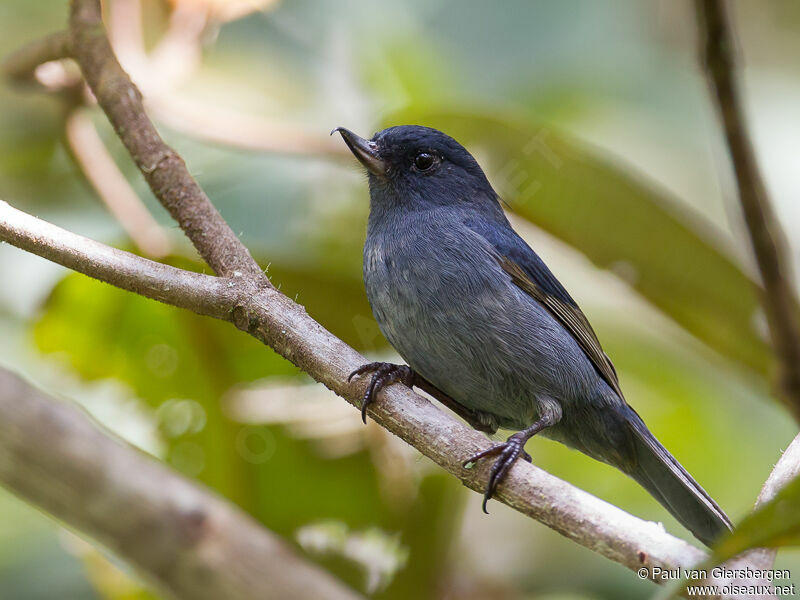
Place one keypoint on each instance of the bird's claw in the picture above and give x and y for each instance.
(383, 374)
(509, 452)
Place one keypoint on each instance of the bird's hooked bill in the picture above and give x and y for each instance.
(364, 150)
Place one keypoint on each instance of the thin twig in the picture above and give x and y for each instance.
(90, 152)
(718, 46)
(175, 57)
(786, 469)
(164, 171)
(181, 537)
(112, 187)
(757, 559)
(203, 294)
(21, 65)
(243, 131)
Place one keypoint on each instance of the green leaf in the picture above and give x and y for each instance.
(619, 222)
(775, 524)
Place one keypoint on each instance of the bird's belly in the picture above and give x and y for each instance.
(475, 335)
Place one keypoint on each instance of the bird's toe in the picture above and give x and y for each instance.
(508, 452)
(383, 374)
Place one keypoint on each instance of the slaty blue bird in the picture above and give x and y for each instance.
(487, 328)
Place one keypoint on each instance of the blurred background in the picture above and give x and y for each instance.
(593, 121)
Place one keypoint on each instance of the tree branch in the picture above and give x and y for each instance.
(21, 65)
(164, 170)
(181, 537)
(203, 294)
(273, 318)
(284, 325)
(786, 469)
(159, 71)
(766, 237)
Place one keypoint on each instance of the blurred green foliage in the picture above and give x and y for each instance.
(775, 524)
(181, 363)
(530, 89)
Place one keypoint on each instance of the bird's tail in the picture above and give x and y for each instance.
(659, 473)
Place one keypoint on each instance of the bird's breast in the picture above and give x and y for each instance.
(442, 300)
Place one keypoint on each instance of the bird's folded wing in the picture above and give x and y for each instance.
(570, 317)
(529, 272)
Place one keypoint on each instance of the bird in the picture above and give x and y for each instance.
(484, 325)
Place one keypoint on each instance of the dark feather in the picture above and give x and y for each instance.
(531, 275)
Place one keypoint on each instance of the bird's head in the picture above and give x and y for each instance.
(414, 167)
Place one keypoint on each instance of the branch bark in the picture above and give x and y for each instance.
(786, 469)
(203, 294)
(164, 171)
(181, 537)
(766, 237)
(277, 321)
(284, 325)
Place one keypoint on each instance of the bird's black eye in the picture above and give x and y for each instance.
(424, 161)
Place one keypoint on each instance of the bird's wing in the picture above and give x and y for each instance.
(528, 272)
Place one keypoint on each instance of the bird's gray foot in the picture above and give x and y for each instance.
(383, 374)
(508, 451)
